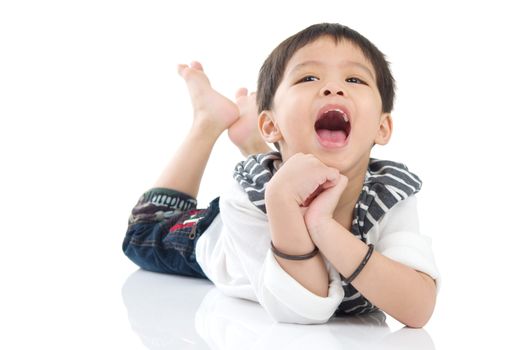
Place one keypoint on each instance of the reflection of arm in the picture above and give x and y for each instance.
(250, 327)
(407, 338)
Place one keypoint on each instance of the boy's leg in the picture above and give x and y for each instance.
(154, 240)
(163, 231)
(159, 236)
(213, 113)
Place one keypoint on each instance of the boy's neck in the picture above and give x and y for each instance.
(350, 196)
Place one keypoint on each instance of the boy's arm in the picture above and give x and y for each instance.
(286, 194)
(290, 236)
(281, 295)
(396, 288)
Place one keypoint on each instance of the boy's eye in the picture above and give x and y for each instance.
(308, 78)
(355, 81)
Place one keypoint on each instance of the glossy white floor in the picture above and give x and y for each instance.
(91, 110)
(189, 313)
(81, 301)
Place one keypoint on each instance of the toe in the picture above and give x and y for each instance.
(196, 65)
(182, 68)
(241, 92)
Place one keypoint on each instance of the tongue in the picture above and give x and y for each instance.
(332, 136)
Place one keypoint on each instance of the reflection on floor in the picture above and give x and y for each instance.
(187, 313)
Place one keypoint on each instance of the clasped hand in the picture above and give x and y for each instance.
(314, 187)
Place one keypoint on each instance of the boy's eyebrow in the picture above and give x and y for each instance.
(343, 64)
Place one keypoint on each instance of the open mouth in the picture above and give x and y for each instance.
(333, 126)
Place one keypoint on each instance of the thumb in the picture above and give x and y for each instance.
(341, 184)
(335, 190)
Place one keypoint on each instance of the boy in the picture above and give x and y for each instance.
(296, 231)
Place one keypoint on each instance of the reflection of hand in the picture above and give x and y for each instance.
(406, 338)
(230, 323)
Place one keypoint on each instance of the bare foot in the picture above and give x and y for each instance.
(212, 110)
(244, 132)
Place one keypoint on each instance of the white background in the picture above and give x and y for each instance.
(91, 109)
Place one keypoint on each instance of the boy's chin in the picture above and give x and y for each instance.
(345, 161)
(342, 159)
(339, 165)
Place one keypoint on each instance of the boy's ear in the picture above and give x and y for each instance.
(385, 130)
(267, 127)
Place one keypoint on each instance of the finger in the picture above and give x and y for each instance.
(332, 175)
(312, 196)
(325, 173)
(330, 197)
(343, 179)
(328, 184)
(340, 184)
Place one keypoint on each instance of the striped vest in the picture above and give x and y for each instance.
(386, 183)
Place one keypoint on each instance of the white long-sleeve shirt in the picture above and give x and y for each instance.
(234, 252)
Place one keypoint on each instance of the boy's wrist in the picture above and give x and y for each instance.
(317, 231)
(279, 199)
(284, 212)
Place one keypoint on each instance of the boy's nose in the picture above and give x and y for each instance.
(332, 89)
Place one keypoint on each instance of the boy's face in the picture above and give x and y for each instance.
(328, 105)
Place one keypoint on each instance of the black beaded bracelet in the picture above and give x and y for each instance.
(294, 257)
(361, 265)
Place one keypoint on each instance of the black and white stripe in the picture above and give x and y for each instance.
(254, 173)
(386, 183)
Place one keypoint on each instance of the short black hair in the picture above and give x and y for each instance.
(272, 70)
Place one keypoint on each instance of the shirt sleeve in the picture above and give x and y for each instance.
(397, 236)
(284, 299)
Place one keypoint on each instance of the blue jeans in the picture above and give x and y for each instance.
(163, 231)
